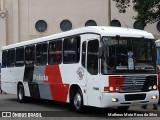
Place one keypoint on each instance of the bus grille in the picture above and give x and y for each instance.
(138, 83)
(133, 97)
(133, 83)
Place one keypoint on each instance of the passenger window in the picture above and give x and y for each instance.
(30, 55)
(55, 52)
(11, 58)
(92, 57)
(4, 59)
(20, 56)
(84, 54)
(41, 54)
(71, 47)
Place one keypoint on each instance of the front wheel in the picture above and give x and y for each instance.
(20, 93)
(77, 101)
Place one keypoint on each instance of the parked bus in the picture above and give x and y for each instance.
(158, 63)
(158, 51)
(90, 66)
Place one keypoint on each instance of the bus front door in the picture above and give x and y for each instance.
(93, 88)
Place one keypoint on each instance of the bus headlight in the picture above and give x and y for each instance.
(154, 97)
(150, 87)
(154, 87)
(115, 100)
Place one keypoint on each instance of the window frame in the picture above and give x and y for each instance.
(66, 25)
(39, 23)
(97, 70)
(10, 60)
(138, 25)
(61, 55)
(90, 23)
(22, 64)
(4, 60)
(33, 45)
(158, 26)
(78, 43)
(83, 56)
(41, 58)
(116, 23)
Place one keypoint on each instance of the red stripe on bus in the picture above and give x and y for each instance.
(59, 90)
(116, 81)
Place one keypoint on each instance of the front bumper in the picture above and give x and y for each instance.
(106, 100)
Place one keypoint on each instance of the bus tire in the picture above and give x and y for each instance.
(77, 101)
(123, 108)
(20, 93)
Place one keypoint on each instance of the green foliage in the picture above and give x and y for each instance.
(148, 10)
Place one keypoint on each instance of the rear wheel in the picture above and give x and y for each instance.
(20, 93)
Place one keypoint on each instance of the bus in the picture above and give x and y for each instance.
(158, 63)
(95, 66)
(158, 51)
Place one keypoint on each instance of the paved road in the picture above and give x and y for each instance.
(61, 111)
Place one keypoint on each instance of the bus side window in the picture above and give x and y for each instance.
(71, 50)
(11, 58)
(41, 54)
(20, 56)
(84, 54)
(4, 59)
(92, 57)
(55, 52)
(30, 55)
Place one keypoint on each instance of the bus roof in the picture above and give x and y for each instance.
(101, 30)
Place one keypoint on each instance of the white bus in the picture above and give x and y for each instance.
(158, 63)
(158, 51)
(91, 66)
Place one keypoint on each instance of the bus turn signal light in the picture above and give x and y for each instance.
(111, 89)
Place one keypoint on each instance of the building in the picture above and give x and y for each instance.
(22, 20)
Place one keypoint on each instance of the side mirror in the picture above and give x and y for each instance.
(100, 52)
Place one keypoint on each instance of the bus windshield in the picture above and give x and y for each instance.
(127, 54)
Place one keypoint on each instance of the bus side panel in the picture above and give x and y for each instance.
(74, 74)
(59, 90)
(34, 90)
(45, 82)
(10, 77)
(38, 87)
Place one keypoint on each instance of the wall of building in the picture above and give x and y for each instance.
(127, 20)
(22, 15)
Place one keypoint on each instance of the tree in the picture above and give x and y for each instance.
(148, 10)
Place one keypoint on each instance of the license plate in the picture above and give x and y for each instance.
(134, 103)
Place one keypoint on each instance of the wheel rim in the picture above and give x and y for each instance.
(77, 101)
(20, 93)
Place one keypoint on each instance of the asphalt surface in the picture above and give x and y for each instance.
(45, 109)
